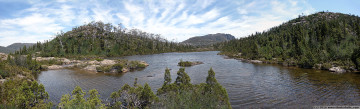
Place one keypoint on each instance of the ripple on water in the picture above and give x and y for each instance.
(248, 85)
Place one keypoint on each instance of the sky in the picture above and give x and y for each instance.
(30, 21)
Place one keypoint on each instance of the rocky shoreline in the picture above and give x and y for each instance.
(331, 68)
(96, 66)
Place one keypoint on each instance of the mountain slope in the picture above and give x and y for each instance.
(17, 46)
(97, 38)
(14, 47)
(4, 50)
(323, 39)
(209, 39)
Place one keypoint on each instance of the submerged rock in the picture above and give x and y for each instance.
(337, 70)
(196, 63)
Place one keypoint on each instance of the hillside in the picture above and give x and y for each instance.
(14, 47)
(209, 39)
(99, 39)
(4, 50)
(321, 40)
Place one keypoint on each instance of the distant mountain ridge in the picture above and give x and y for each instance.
(14, 47)
(209, 39)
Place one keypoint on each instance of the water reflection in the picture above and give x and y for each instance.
(248, 85)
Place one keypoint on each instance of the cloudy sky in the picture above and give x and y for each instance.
(176, 20)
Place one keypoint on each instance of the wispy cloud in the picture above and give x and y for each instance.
(174, 20)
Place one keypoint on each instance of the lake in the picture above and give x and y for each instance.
(248, 85)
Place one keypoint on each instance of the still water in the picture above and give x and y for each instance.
(248, 85)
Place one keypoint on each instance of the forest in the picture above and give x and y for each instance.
(320, 40)
(99, 39)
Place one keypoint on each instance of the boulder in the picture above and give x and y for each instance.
(107, 62)
(66, 61)
(144, 63)
(337, 70)
(44, 67)
(20, 76)
(255, 61)
(55, 67)
(3, 56)
(124, 70)
(91, 68)
(93, 62)
(2, 80)
(113, 71)
(44, 58)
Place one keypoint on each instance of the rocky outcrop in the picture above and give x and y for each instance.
(106, 65)
(107, 62)
(144, 63)
(125, 70)
(3, 56)
(337, 70)
(91, 68)
(54, 67)
(44, 58)
(93, 62)
(255, 61)
(2, 81)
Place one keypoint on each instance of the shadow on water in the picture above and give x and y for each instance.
(248, 85)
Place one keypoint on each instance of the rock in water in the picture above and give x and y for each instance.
(55, 67)
(337, 70)
(107, 62)
(91, 68)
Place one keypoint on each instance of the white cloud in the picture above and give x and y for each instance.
(174, 20)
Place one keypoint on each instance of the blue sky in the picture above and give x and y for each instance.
(176, 20)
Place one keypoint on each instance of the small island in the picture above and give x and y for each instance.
(188, 63)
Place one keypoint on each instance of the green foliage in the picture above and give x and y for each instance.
(77, 100)
(211, 80)
(133, 97)
(20, 90)
(184, 63)
(50, 62)
(167, 77)
(97, 38)
(355, 57)
(147, 96)
(202, 96)
(120, 64)
(183, 79)
(323, 37)
(99, 59)
(104, 68)
(25, 62)
(20, 93)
